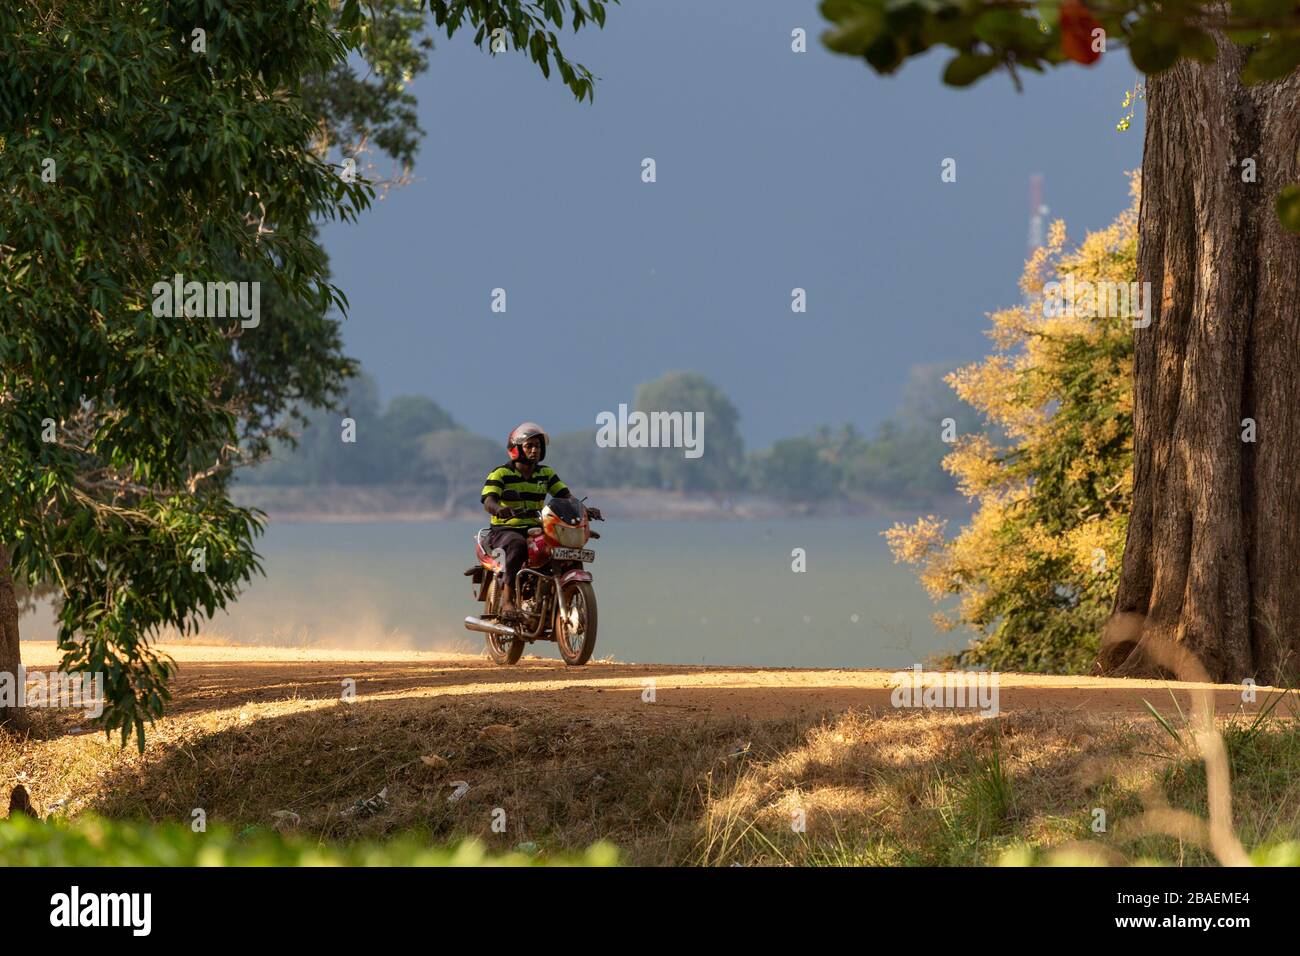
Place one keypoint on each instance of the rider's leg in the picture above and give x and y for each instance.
(513, 543)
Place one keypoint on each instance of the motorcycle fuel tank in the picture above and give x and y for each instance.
(539, 550)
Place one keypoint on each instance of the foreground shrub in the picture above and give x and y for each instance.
(92, 841)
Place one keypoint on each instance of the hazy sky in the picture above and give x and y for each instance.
(775, 170)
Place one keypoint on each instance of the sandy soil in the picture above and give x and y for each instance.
(706, 772)
(228, 675)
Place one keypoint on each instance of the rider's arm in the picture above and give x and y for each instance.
(559, 489)
(493, 487)
(492, 505)
(556, 488)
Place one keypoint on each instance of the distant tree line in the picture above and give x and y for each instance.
(414, 442)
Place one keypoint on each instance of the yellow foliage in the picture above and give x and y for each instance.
(1034, 570)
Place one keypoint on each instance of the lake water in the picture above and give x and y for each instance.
(681, 592)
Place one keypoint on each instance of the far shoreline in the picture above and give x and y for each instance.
(367, 504)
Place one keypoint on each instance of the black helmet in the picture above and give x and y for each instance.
(521, 434)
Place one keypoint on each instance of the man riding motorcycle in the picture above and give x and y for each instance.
(513, 494)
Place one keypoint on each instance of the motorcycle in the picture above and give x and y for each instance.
(553, 591)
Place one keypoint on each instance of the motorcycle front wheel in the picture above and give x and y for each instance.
(575, 623)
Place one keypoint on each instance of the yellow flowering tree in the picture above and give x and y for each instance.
(1034, 573)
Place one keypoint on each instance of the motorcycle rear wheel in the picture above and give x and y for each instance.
(500, 650)
(503, 650)
(576, 646)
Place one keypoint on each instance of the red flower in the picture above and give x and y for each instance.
(1077, 26)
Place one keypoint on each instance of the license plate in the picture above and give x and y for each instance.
(573, 554)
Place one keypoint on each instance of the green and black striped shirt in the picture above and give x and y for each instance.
(526, 495)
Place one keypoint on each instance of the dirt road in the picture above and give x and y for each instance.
(217, 677)
(673, 764)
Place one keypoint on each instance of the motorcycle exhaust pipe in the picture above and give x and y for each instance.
(487, 627)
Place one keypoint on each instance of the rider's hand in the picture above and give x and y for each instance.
(505, 514)
(594, 514)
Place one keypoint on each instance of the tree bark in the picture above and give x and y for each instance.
(1207, 587)
(10, 652)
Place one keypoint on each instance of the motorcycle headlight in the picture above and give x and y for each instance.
(570, 537)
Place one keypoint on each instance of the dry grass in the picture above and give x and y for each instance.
(923, 789)
(894, 788)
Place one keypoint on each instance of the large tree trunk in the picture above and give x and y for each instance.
(1208, 586)
(10, 654)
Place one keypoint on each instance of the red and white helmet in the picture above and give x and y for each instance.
(521, 434)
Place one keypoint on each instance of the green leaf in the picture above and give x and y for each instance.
(965, 68)
(1007, 30)
(1288, 207)
(1272, 62)
(885, 54)
(1152, 48)
(839, 10)
(856, 33)
(1198, 45)
(1273, 10)
(350, 15)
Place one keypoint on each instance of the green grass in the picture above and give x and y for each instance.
(92, 841)
(987, 796)
(985, 800)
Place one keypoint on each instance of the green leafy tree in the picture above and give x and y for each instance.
(292, 362)
(1205, 590)
(525, 26)
(406, 422)
(365, 102)
(457, 461)
(135, 148)
(315, 454)
(387, 448)
(718, 468)
(795, 469)
(900, 465)
(166, 159)
(903, 462)
(579, 460)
